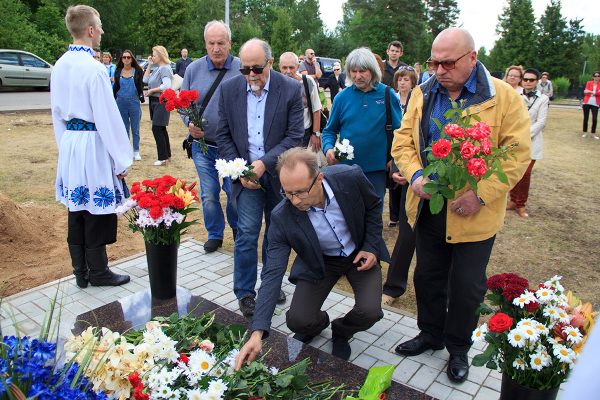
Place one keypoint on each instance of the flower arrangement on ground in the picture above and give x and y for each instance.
(343, 150)
(185, 104)
(534, 334)
(185, 357)
(463, 155)
(158, 208)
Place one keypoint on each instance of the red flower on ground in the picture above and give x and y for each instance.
(500, 322)
(512, 291)
(441, 148)
(184, 359)
(476, 167)
(468, 150)
(532, 307)
(134, 379)
(454, 131)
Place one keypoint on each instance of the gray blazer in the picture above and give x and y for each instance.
(283, 124)
(291, 229)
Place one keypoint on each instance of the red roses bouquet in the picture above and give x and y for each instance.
(159, 207)
(534, 334)
(185, 104)
(463, 155)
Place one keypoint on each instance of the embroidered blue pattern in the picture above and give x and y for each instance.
(86, 49)
(103, 197)
(118, 196)
(77, 124)
(80, 195)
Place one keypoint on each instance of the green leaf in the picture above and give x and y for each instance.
(491, 364)
(441, 169)
(284, 380)
(430, 169)
(472, 182)
(484, 309)
(430, 187)
(436, 203)
(438, 124)
(482, 359)
(447, 192)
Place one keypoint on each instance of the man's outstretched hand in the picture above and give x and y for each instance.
(251, 349)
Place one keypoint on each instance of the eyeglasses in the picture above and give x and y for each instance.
(302, 194)
(514, 76)
(529, 79)
(336, 69)
(447, 65)
(255, 68)
(311, 54)
(596, 76)
(406, 68)
(126, 57)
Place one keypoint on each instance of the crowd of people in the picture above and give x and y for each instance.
(328, 211)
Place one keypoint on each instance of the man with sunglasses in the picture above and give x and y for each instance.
(310, 66)
(331, 218)
(201, 75)
(454, 246)
(260, 116)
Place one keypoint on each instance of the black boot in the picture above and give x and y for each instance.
(100, 274)
(80, 269)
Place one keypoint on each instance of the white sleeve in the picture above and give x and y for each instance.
(314, 96)
(109, 124)
(542, 114)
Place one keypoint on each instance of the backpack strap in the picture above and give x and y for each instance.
(308, 99)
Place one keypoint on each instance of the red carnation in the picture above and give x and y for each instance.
(134, 379)
(184, 359)
(468, 150)
(167, 96)
(476, 167)
(486, 146)
(156, 212)
(441, 148)
(532, 307)
(454, 131)
(512, 291)
(500, 322)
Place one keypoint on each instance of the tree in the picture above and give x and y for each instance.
(441, 14)
(516, 28)
(281, 37)
(164, 23)
(590, 49)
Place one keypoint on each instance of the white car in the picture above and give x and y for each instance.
(21, 68)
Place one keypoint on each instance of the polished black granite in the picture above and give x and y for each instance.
(133, 311)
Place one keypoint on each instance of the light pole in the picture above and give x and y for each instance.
(227, 12)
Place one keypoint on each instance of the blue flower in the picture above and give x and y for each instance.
(103, 197)
(80, 195)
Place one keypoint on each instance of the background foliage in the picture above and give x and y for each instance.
(551, 44)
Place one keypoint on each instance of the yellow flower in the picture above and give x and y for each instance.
(186, 196)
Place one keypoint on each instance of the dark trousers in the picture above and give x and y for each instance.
(520, 193)
(163, 146)
(450, 283)
(586, 114)
(305, 315)
(91, 230)
(394, 192)
(397, 276)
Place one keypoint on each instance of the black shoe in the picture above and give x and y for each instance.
(100, 275)
(212, 245)
(458, 367)
(416, 346)
(247, 305)
(282, 297)
(304, 338)
(341, 347)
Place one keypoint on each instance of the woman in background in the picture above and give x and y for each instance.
(110, 67)
(591, 101)
(128, 90)
(159, 79)
(513, 76)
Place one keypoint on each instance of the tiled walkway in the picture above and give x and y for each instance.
(211, 276)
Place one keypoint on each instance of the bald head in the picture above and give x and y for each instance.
(288, 65)
(461, 38)
(256, 46)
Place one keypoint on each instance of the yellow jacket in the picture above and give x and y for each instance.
(503, 110)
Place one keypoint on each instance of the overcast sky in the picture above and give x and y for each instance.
(481, 17)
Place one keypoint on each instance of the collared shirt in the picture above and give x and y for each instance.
(227, 65)
(330, 225)
(256, 121)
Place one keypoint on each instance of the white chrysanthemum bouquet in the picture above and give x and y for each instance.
(344, 150)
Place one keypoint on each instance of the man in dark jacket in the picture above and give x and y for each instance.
(332, 220)
(182, 63)
(394, 51)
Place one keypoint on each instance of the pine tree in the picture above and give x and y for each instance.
(441, 14)
(517, 31)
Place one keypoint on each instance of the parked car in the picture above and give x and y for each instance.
(21, 68)
(327, 68)
(143, 64)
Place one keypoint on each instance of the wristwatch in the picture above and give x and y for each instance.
(317, 134)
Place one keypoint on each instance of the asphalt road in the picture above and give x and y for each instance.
(24, 99)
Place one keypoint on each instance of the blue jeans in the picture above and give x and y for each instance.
(377, 179)
(131, 112)
(210, 189)
(251, 205)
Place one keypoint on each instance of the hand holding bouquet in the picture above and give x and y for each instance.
(236, 169)
(185, 104)
(344, 150)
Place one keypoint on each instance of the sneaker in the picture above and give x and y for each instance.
(136, 156)
(392, 224)
(247, 305)
(584, 134)
(158, 163)
(595, 136)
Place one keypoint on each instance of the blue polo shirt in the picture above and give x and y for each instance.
(360, 117)
(442, 103)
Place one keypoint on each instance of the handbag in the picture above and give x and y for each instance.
(176, 82)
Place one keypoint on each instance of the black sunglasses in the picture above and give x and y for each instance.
(529, 79)
(447, 65)
(255, 68)
(126, 57)
(596, 76)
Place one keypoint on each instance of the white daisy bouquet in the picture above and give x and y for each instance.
(535, 334)
(343, 150)
(184, 358)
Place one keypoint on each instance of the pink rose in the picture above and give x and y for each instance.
(476, 167)
(454, 131)
(486, 146)
(441, 148)
(468, 150)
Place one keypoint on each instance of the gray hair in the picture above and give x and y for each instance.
(363, 59)
(215, 22)
(299, 155)
(265, 47)
(289, 54)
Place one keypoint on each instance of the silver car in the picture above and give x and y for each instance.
(21, 68)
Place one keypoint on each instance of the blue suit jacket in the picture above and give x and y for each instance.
(291, 229)
(283, 124)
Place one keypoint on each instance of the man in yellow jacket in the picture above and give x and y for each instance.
(454, 246)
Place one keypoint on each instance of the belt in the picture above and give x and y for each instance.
(77, 124)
